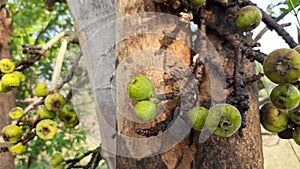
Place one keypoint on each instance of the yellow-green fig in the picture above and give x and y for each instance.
(140, 88)
(282, 66)
(294, 115)
(71, 124)
(272, 118)
(67, 113)
(10, 80)
(12, 133)
(223, 120)
(285, 96)
(20, 75)
(46, 129)
(17, 149)
(198, 116)
(145, 110)
(44, 113)
(60, 166)
(40, 89)
(248, 18)
(4, 88)
(54, 102)
(297, 48)
(16, 113)
(56, 159)
(296, 135)
(197, 3)
(6, 66)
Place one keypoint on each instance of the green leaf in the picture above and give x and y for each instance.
(284, 10)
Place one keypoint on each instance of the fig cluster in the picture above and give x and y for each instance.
(282, 114)
(140, 88)
(10, 78)
(222, 119)
(44, 124)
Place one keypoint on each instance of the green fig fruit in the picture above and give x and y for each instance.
(145, 110)
(58, 167)
(282, 66)
(198, 116)
(273, 119)
(285, 96)
(223, 120)
(17, 149)
(294, 115)
(67, 113)
(56, 159)
(197, 3)
(40, 89)
(296, 135)
(4, 88)
(10, 80)
(12, 133)
(54, 102)
(44, 113)
(71, 124)
(248, 18)
(6, 66)
(297, 48)
(16, 113)
(140, 88)
(46, 129)
(20, 75)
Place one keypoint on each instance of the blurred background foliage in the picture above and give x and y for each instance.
(35, 25)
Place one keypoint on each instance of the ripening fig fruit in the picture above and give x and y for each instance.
(282, 66)
(10, 80)
(16, 113)
(297, 48)
(71, 124)
(294, 115)
(17, 149)
(145, 110)
(197, 3)
(54, 102)
(40, 89)
(273, 119)
(46, 129)
(58, 167)
(248, 18)
(6, 66)
(4, 88)
(56, 159)
(140, 88)
(20, 75)
(285, 96)
(67, 113)
(198, 116)
(296, 135)
(44, 113)
(12, 133)
(223, 120)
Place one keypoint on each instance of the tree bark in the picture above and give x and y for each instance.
(7, 100)
(143, 48)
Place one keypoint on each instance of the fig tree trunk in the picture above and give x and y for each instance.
(142, 38)
(7, 100)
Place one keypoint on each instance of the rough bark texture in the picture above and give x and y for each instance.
(136, 48)
(7, 100)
